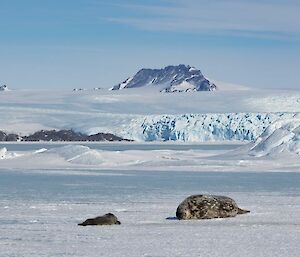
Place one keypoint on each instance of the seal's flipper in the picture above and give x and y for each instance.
(241, 211)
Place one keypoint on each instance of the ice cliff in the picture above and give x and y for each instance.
(201, 127)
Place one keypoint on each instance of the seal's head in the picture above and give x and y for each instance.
(107, 219)
(183, 214)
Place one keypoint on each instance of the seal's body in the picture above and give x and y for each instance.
(107, 219)
(208, 207)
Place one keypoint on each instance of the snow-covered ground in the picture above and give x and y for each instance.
(39, 214)
(77, 157)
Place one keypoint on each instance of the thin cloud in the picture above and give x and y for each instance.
(271, 19)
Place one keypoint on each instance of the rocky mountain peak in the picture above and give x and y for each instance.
(180, 78)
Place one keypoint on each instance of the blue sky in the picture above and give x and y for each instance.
(63, 44)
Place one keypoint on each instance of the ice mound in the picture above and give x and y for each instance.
(3, 152)
(40, 151)
(78, 154)
(281, 137)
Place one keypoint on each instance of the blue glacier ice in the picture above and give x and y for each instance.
(201, 127)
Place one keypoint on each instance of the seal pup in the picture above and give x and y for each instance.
(107, 219)
(208, 207)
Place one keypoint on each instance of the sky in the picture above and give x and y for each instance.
(65, 44)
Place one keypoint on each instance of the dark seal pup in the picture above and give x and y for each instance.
(107, 219)
(208, 207)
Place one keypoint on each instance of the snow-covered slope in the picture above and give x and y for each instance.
(79, 154)
(281, 137)
(181, 78)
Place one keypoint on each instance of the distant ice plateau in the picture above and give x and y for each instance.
(142, 115)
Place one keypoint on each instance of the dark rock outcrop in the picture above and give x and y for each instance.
(2, 136)
(61, 135)
(9, 137)
(208, 207)
(55, 135)
(107, 219)
(70, 135)
(105, 137)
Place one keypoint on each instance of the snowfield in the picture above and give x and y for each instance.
(39, 214)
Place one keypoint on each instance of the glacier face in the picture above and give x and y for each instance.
(201, 127)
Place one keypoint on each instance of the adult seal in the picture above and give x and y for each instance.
(107, 219)
(208, 207)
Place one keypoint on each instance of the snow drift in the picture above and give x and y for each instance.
(281, 137)
(78, 154)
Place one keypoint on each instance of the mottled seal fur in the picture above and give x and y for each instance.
(107, 219)
(208, 207)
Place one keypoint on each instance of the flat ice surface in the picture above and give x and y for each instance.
(40, 211)
(122, 146)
